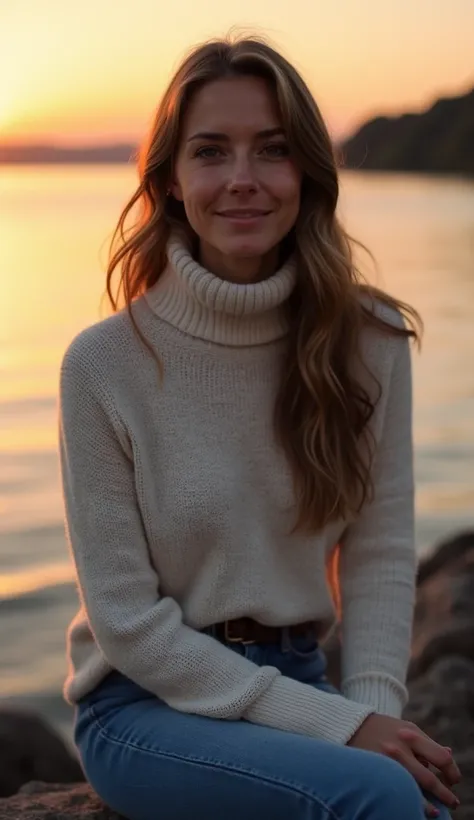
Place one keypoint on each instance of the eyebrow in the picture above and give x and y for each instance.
(220, 137)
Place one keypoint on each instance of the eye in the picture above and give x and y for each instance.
(208, 152)
(277, 150)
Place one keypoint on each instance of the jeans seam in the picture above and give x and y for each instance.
(210, 762)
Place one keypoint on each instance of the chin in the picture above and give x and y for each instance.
(246, 246)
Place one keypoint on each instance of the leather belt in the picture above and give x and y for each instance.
(247, 631)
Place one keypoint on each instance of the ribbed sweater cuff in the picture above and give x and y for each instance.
(297, 707)
(386, 694)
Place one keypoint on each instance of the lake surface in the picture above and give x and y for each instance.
(55, 223)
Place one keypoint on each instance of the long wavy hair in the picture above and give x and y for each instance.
(322, 410)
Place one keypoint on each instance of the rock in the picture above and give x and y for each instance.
(43, 801)
(447, 554)
(441, 673)
(31, 750)
(442, 699)
(444, 613)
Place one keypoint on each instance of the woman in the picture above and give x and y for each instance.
(247, 413)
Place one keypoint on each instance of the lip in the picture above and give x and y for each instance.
(243, 213)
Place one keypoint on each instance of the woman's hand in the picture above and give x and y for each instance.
(431, 765)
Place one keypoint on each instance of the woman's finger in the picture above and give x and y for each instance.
(426, 778)
(430, 810)
(427, 749)
(441, 776)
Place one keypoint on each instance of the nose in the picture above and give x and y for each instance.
(242, 178)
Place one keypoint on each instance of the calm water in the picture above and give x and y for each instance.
(54, 227)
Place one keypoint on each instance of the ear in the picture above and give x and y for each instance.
(175, 189)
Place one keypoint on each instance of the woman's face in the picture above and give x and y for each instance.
(233, 173)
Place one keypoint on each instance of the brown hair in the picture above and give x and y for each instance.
(322, 411)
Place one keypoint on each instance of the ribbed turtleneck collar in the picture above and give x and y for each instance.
(199, 303)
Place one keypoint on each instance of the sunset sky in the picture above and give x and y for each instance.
(93, 70)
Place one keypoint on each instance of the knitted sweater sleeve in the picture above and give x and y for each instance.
(140, 631)
(377, 559)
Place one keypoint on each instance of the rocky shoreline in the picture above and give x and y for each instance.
(41, 780)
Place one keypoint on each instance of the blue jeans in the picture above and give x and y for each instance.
(150, 762)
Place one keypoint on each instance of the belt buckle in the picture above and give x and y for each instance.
(229, 639)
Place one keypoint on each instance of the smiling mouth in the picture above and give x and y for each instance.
(247, 214)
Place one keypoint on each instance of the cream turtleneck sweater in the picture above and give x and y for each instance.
(179, 510)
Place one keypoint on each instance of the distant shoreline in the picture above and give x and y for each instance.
(438, 141)
(53, 155)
